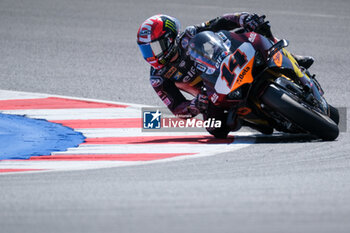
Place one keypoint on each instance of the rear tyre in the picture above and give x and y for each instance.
(313, 122)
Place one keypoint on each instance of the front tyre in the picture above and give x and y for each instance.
(334, 114)
(315, 123)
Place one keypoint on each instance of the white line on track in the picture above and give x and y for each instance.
(149, 148)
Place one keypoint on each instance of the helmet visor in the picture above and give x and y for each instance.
(155, 49)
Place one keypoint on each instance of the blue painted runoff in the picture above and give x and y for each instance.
(22, 137)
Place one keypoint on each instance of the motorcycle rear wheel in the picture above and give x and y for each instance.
(314, 122)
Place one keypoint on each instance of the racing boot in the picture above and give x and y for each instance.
(220, 133)
(224, 130)
(304, 61)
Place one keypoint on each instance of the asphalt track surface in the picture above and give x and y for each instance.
(87, 49)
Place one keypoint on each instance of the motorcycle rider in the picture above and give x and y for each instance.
(165, 49)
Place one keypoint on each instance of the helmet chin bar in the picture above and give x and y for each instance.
(170, 56)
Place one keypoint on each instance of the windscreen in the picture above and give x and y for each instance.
(206, 48)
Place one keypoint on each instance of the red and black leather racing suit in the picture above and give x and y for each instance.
(181, 74)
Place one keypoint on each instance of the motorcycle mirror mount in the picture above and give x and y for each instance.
(278, 46)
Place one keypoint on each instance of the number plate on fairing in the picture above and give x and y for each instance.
(236, 69)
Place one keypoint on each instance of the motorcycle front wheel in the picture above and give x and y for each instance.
(311, 121)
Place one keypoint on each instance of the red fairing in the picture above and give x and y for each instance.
(242, 37)
(259, 42)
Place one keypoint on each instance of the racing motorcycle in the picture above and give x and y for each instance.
(255, 78)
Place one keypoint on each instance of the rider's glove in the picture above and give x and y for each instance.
(252, 21)
(201, 102)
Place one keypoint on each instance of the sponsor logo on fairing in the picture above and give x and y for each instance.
(241, 75)
(201, 67)
(214, 98)
(252, 37)
(219, 60)
(277, 58)
(222, 36)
